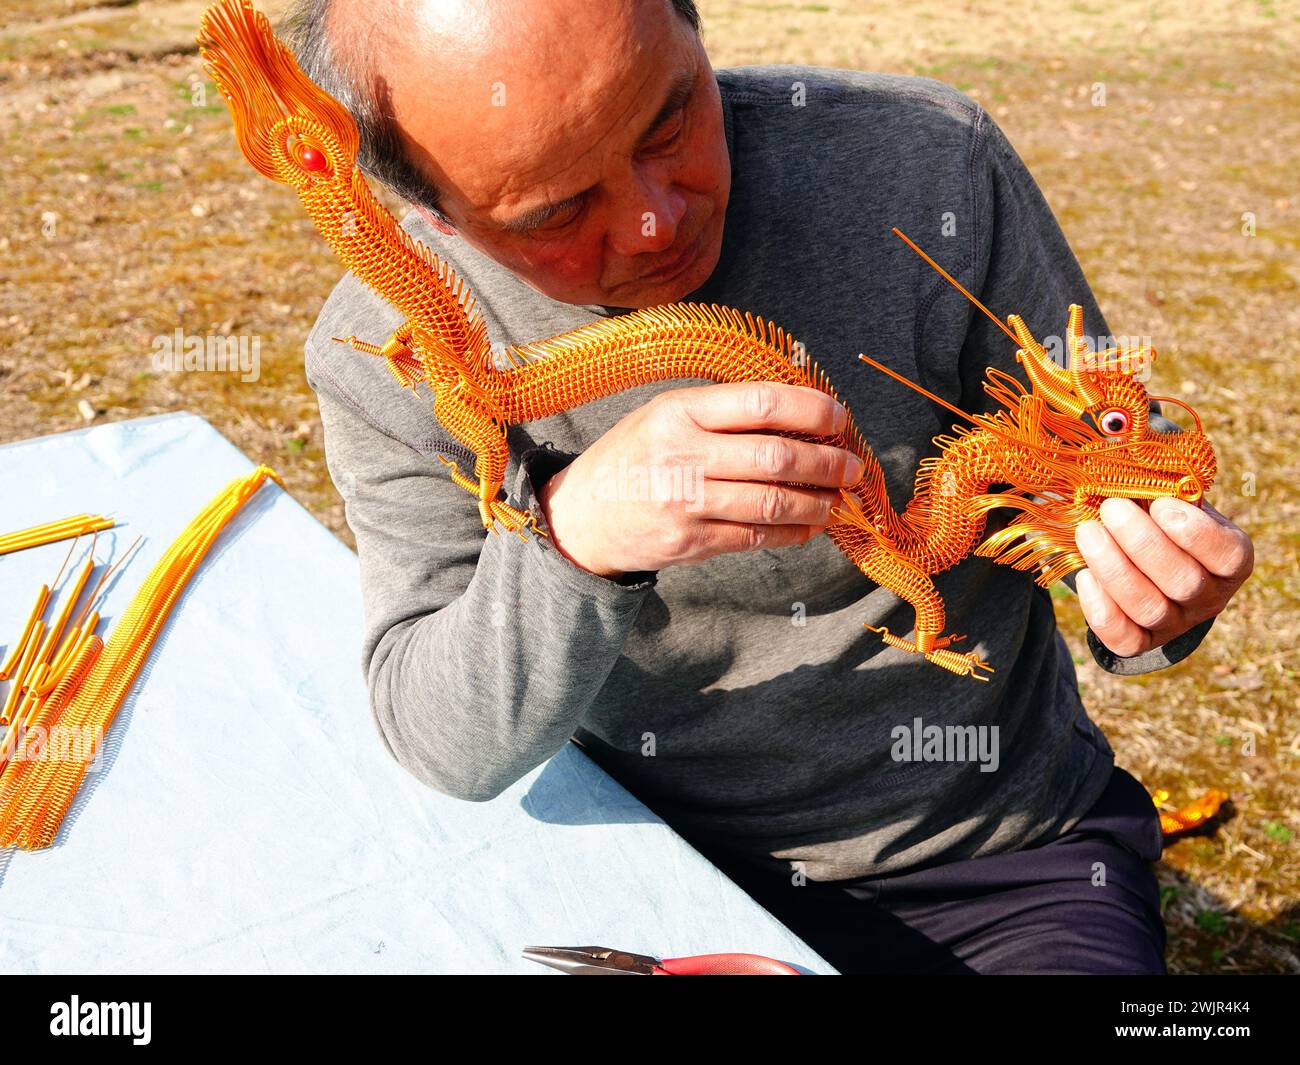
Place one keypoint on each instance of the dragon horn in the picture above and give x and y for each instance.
(1048, 379)
(1084, 385)
(1074, 336)
(263, 84)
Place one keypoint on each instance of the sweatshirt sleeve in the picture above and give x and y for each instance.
(1023, 264)
(481, 651)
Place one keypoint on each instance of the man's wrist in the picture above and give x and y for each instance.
(544, 465)
(545, 497)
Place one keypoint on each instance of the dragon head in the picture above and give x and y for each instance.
(1082, 434)
(288, 129)
(1116, 451)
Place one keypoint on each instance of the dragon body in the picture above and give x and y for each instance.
(1038, 455)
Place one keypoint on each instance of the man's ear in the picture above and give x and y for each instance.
(435, 221)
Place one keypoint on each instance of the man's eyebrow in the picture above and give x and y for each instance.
(679, 93)
(535, 217)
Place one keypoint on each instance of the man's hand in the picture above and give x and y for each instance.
(697, 472)
(1152, 576)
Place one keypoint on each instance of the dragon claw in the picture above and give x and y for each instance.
(511, 519)
(966, 664)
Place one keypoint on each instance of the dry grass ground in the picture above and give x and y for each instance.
(127, 213)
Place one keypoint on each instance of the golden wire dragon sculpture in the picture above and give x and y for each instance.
(1053, 467)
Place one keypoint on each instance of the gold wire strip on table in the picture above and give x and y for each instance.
(52, 531)
(42, 600)
(37, 674)
(20, 675)
(33, 806)
(55, 632)
(72, 643)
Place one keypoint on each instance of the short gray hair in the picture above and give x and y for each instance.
(381, 154)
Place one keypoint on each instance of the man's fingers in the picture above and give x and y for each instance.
(753, 503)
(1124, 584)
(1205, 534)
(726, 536)
(747, 405)
(734, 451)
(1113, 627)
(1176, 573)
(760, 457)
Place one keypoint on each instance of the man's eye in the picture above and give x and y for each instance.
(558, 221)
(669, 135)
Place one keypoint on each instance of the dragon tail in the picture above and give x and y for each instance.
(295, 133)
(263, 84)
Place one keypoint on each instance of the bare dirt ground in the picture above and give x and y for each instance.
(127, 213)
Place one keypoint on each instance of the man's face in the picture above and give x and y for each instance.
(577, 142)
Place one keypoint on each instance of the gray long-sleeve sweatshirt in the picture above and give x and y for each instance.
(742, 699)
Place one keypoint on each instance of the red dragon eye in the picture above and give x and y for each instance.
(311, 159)
(1113, 422)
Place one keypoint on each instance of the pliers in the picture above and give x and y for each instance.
(604, 961)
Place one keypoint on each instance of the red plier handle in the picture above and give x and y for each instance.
(605, 961)
(724, 965)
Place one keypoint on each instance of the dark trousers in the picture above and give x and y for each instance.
(1039, 910)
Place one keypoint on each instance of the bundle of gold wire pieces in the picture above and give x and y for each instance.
(38, 661)
(68, 528)
(61, 715)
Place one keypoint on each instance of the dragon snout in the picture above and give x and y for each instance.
(1201, 465)
(1188, 463)
(1190, 489)
(1179, 465)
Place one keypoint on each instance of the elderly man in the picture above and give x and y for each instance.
(576, 158)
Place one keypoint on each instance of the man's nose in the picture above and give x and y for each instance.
(648, 219)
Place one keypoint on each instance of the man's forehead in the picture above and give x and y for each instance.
(501, 121)
(456, 40)
(531, 207)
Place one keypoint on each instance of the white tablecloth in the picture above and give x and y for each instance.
(246, 817)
